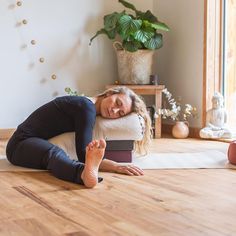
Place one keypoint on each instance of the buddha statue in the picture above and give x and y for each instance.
(216, 119)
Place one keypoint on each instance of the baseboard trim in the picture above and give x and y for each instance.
(6, 133)
(193, 131)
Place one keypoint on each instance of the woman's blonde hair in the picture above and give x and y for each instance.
(139, 107)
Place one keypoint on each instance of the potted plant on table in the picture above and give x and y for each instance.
(138, 36)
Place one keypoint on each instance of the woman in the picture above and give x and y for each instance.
(28, 147)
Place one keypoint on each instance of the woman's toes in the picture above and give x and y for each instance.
(97, 144)
(102, 143)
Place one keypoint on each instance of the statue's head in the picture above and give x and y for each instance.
(217, 100)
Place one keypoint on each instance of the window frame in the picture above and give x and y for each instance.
(213, 52)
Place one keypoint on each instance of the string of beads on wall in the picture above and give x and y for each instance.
(33, 42)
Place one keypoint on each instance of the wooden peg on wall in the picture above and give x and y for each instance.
(54, 76)
(41, 59)
(19, 3)
(33, 42)
(24, 22)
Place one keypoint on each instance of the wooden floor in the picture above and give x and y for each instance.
(163, 202)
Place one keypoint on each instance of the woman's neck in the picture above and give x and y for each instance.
(96, 101)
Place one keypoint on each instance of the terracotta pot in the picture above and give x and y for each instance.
(232, 152)
(180, 129)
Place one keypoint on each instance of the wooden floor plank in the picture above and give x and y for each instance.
(162, 202)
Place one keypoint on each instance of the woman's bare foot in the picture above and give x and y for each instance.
(94, 154)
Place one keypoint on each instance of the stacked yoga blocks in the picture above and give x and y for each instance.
(120, 135)
(119, 150)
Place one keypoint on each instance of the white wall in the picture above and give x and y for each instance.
(62, 30)
(179, 63)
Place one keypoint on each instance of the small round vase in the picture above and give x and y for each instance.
(180, 129)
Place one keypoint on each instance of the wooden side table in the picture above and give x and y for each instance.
(155, 90)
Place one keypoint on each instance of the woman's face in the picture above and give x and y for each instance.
(115, 106)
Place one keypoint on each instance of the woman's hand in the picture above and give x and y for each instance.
(112, 166)
(129, 170)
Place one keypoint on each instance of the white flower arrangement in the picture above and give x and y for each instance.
(176, 112)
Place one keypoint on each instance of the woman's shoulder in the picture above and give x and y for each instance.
(69, 98)
(74, 101)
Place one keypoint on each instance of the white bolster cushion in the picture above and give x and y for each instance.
(130, 127)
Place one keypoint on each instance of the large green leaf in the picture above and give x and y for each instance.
(127, 4)
(111, 20)
(131, 46)
(155, 42)
(142, 35)
(147, 16)
(101, 31)
(129, 25)
(157, 26)
(160, 26)
(111, 34)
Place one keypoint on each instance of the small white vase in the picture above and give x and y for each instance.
(180, 129)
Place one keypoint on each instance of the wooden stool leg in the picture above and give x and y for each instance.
(158, 101)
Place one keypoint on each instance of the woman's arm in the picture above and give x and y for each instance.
(112, 166)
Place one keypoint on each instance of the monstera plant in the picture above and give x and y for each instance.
(135, 36)
(137, 31)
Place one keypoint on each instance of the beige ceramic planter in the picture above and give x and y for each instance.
(134, 67)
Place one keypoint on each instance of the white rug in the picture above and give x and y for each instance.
(197, 160)
(5, 165)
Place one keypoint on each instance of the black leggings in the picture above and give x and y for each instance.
(40, 154)
(70, 113)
